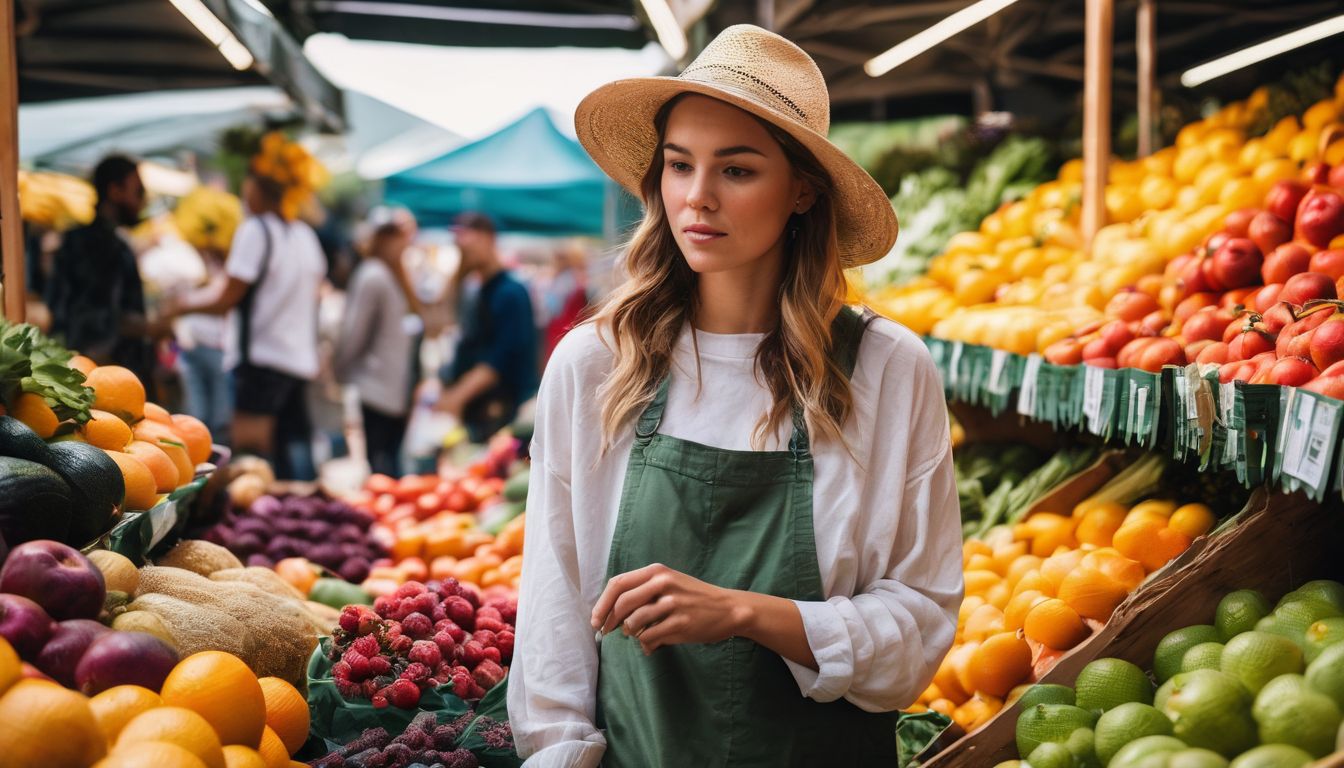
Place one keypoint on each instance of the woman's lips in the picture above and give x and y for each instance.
(701, 234)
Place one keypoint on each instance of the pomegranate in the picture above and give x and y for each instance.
(1267, 297)
(1160, 353)
(1316, 173)
(1064, 352)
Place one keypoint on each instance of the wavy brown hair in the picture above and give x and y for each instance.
(644, 316)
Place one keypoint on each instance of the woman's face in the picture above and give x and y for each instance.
(727, 187)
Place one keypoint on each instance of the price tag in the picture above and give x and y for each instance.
(998, 368)
(1026, 396)
(1141, 409)
(1311, 429)
(1094, 383)
(954, 367)
(1191, 389)
(1227, 397)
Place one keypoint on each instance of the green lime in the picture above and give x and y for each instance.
(1163, 693)
(1301, 612)
(1326, 674)
(1203, 656)
(1276, 625)
(1288, 711)
(1256, 657)
(1211, 709)
(1171, 650)
(1108, 683)
(1051, 755)
(1159, 760)
(1126, 723)
(1272, 756)
(1238, 611)
(1049, 722)
(1327, 591)
(1082, 744)
(1196, 758)
(1046, 693)
(1320, 635)
(1135, 751)
(1013, 764)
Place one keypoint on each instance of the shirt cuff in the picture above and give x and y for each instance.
(829, 640)
(568, 754)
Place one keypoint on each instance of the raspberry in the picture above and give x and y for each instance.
(379, 665)
(443, 671)
(404, 694)
(508, 610)
(334, 760)
(348, 690)
(359, 619)
(340, 671)
(461, 758)
(393, 631)
(492, 653)
(383, 605)
(424, 602)
(462, 683)
(488, 674)
(504, 642)
(410, 589)
(485, 637)
(379, 700)
(491, 624)
(458, 634)
(460, 611)
(417, 625)
(425, 652)
(445, 736)
(488, 612)
(401, 644)
(370, 687)
(370, 738)
(367, 646)
(445, 643)
(471, 653)
(448, 587)
(416, 673)
(471, 593)
(359, 665)
(439, 613)
(398, 754)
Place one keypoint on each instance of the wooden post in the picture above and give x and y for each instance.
(1096, 114)
(11, 228)
(1146, 46)
(765, 14)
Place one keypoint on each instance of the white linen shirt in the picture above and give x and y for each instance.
(888, 528)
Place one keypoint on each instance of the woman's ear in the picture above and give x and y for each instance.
(805, 198)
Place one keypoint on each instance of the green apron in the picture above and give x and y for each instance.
(739, 520)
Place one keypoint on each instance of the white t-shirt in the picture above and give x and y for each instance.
(284, 311)
(886, 521)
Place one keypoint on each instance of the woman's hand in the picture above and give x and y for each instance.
(659, 606)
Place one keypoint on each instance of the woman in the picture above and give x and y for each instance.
(744, 487)
(374, 350)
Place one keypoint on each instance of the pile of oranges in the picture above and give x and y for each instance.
(212, 712)
(1038, 589)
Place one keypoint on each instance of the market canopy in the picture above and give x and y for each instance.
(528, 177)
(70, 49)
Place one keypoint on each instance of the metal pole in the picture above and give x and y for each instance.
(1096, 114)
(765, 14)
(1147, 52)
(11, 228)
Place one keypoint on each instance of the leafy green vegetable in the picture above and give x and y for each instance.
(32, 362)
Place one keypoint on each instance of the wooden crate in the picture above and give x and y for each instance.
(1276, 543)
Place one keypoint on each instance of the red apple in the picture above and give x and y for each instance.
(1268, 231)
(1336, 179)
(1209, 269)
(1292, 372)
(1237, 262)
(1327, 344)
(1215, 354)
(1117, 334)
(1286, 260)
(1249, 344)
(1279, 316)
(1127, 355)
(1320, 218)
(1193, 280)
(1162, 352)
(124, 658)
(1214, 241)
(1308, 286)
(67, 645)
(1130, 305)
(1237, 222)
(1328, 385)
(56, 577)
(1283, 198)
(1316, 173)
(1208, 323)
(1295, 339)
(1176, 267)
(24, 624)
(1330, 263)
(1267, 297)
(1195, 348)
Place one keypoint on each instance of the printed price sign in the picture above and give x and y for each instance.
(954, 367)
(998, 373)
(1026, 396)
(1309, 442)
(1094, 386)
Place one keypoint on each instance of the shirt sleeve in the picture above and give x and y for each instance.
(880, 647)
(552, 694)
(359, 323)
(246, 251)
(511, 310)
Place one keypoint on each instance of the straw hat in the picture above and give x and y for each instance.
(771, 78)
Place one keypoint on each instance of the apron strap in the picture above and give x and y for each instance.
(653, 414)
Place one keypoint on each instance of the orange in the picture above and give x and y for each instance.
(43, 724)
(116, 706)
(1136, 535)
(1033, 580)
(1057, 567)
(141, 493)
(946, 680)
(175, 725)
(156, 432)
(1007, 555)
(162, 467)
(1047, 532)
(975, 547)
(1054, 624)
(983, 622)
(1016, 612)
(10, 666)
(186, 471)
(272, 750)
(1128, 573)
(82, 364)
(238, 756)
(32, 409)
(117, 390)
(1000, 663)
(1091, 593)
(943, 706)
(286, 712)
(106, 431)
(979, 562)
(978, 582)
(1168, 544)
(156, 412)
(1020, 567)
(221, 688)
(1099, 525)
(160, 754)
(1192, 520)
(960, 657)
(196, 435)
(977, 711)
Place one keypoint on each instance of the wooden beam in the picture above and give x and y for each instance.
(1146, 43)
(853, 17)
(765, 14)
(786, 13)
(1097, 115)
(11, 228)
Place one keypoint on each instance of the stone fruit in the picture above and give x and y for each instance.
(1330, 263)
(1268, 231)
(1284, 197)
(1320, 217)
(1308, 286)
(67, 645)
(24, 624)
(1281, 264)
(56, 577)
(124, 658)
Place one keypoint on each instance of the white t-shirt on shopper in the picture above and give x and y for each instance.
(886, 520)
(284, 310)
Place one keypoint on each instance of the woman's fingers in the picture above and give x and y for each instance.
(616, 588)
(644, 617)
(666, 632)
(631, 600)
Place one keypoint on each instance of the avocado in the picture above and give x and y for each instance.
(17, 440)
(96, 488)
(34, 502)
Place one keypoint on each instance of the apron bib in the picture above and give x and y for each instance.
(739, 520)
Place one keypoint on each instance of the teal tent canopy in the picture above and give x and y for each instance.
(528, 177)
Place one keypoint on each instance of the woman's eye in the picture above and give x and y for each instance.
(678, 166)
(737, 173)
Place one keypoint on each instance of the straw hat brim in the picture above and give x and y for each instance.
(615, 125)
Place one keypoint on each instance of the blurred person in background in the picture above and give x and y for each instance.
(494, 369)
(208, 387)
(565, 298)
(374, 351)
(94, 292)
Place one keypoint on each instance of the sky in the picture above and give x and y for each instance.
(473, 91)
